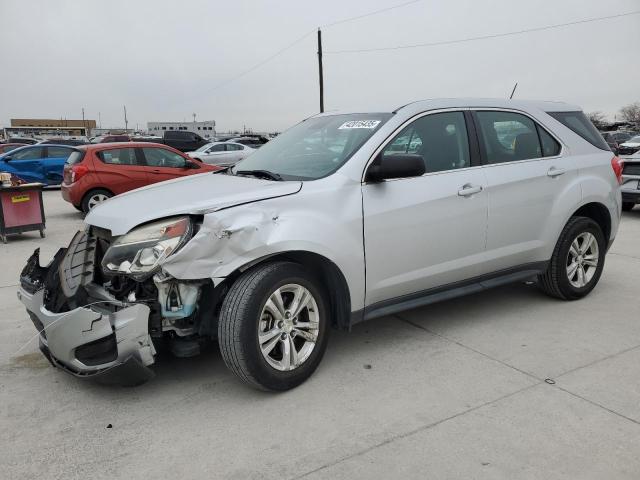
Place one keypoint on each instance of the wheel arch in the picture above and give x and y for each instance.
(599, 213)
(329, 273)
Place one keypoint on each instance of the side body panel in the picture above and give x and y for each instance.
(419, 233)
(324, 218)
(527, 208)
(119, 178)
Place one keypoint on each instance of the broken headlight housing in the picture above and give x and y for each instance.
(140, 252)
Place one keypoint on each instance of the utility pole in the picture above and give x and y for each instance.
(126, 122)
(84, 124)
(99, 121)
(513, 91)
(320, 71)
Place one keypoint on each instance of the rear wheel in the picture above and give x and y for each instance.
(95, 197)
(577, 261)
(274, 326)
(628, 206)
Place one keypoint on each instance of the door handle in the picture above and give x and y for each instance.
(156, 171)
(554, 172)
(468, 189)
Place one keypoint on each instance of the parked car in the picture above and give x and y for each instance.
(341, 219)
(183, 140)
(629, 146)
(7, 147)
(111, 139)
(94, 173)
(37, 163)
(73, 142)
(631, 181)
(23, 140)
(251, 141)
(221, 153)
(614, 139)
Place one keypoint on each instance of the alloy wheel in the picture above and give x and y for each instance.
(582, 260)
(288, 327)
(96, 199)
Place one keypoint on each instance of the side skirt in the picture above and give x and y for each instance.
(447, 292)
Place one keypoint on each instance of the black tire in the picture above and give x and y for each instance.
(555, 281)
(240, 317)
(78, 207)
(627, 206)
(86, 200)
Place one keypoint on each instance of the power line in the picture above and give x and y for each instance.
(358, 17)
(297, 41)
(483, 37)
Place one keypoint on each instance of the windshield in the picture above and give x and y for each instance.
(314, 148)
(204, 147)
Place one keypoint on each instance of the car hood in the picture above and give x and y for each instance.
(196, 194)
(630, 144)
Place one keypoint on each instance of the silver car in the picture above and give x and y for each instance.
(221, 153)
(343, 218)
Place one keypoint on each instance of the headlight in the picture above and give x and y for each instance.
(140, 252)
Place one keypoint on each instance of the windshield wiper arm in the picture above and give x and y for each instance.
(261, 174)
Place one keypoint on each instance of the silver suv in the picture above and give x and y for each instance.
(341, 219)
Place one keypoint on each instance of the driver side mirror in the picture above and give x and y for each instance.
(191, 165)
(401, 165)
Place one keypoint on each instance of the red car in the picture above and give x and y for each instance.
(94, 173)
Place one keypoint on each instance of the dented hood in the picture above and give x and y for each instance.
(196, 194)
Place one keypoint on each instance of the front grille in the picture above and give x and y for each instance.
(631, 169)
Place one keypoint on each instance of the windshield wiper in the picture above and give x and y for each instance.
(261, 174)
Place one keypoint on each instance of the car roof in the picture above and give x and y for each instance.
(439, 103)
(104, 146)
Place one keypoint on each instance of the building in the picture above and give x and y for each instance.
(205, 129)
(49, 126)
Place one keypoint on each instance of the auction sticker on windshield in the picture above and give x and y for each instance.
(359, 124)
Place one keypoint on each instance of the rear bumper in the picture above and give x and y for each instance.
(67, 192)
(104, 339)
(629, 189)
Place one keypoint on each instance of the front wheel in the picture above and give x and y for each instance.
(577, 260)
(273, 327)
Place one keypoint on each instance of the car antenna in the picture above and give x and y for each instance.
(513, 91)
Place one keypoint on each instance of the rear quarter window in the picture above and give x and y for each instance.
(581, 125)
(76, 157)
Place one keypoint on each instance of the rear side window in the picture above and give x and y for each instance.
(550, 148)
(58, 152)
(118, 156)
(580, 124)
(75, 157)
(510, 137)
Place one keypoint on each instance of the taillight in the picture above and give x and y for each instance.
(617, 166)
(77, 172)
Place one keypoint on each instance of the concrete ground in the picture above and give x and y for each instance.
(507, 384)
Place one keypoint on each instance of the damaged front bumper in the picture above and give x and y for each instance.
(104, 339)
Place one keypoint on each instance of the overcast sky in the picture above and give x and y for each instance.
(166, 60)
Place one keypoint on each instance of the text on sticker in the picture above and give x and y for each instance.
(20, 198)
(359, 124)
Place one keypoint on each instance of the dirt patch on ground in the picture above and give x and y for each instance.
(30, 360)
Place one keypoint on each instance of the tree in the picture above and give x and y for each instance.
(598, 119)
(631, 113)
